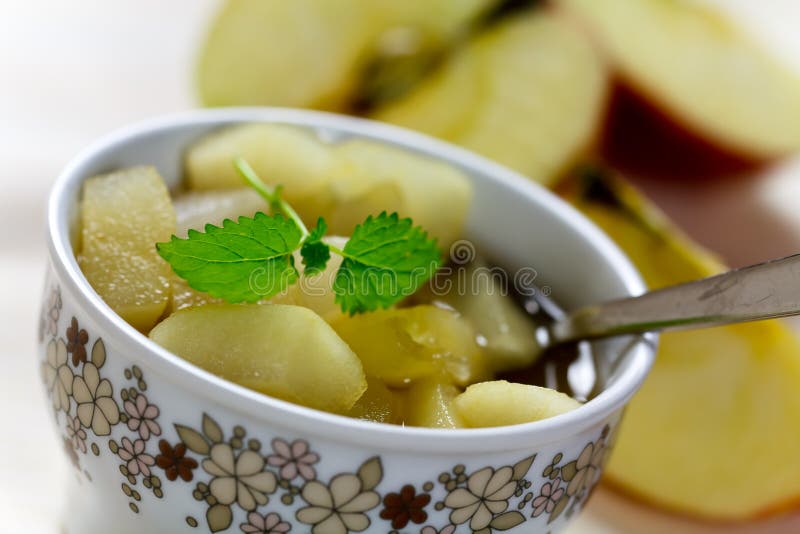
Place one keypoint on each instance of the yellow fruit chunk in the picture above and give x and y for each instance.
(285, 351)
(123, 215)
(528, 93)
(280, 154)
(195, 209)
(501, 403)
(714, 430)
(697, 66)
(316, 292)
(316, 53)
(429, 403)
(481, 295)
(378, 404)
(434, 194)
(402, 345)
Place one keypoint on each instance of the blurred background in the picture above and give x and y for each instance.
(672, 124)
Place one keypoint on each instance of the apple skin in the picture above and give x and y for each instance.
(640, 138)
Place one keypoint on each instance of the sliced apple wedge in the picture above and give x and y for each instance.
(700, 71)
(287, 352)
(312, 53)
(528, 93)
(501, 403)
(715, 428)
(123, 215)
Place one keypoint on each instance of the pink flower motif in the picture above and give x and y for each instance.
(449, 529)
(141, 417)
(549, 496)
(265, 524)
(76, 434)
(293, 459)
(133, 453)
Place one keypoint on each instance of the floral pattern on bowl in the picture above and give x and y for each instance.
(248, 485)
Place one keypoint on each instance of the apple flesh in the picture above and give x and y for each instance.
(713, 431)
(529, 93)
(123, 215)
(313, 53)
(695, 96)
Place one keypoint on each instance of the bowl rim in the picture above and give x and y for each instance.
(306, 420)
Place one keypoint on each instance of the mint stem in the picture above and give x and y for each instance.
(273, 197)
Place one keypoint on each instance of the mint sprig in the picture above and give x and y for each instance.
(386, 258)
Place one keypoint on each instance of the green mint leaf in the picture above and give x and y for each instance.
(315, 253)
(242, 261)
(385, 260)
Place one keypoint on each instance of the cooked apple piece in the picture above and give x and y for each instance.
(285, 351)
(316, 292)
(712, 395)
(313, 53)
(378, 404)
(402, 345)
(699, 70)
(528, 93)
(195, 209)
(185, 296)
(429, 403)
(435, 195)
(501, 403)
(482, 297)
(123, 215)
(280, 154)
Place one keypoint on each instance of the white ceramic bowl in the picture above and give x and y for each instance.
(159, 445)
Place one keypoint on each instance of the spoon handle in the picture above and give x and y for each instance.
(764, 291)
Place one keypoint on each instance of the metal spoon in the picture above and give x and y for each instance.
(763, 291)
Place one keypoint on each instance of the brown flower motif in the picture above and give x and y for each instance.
(141, 417)
(548, 498)
(265, 524)
(240, 479)
(174, 462)
(405, 506)
(133, 453)
(76, 434)
(486, 495)
(76, 342)
(293, 459)
(337, 509)
(96, 407)
(57, 375)
(587, 467)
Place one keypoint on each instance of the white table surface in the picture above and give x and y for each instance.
(73, 70)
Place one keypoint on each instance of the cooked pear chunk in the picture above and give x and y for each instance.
(434, 194)
(378, 404)
(195, 209)
(501, 403)
(402, 345)
(429, 403)
(284, 351)
(529, 93)
(123, 215)
(482, 297)
(280, 154)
